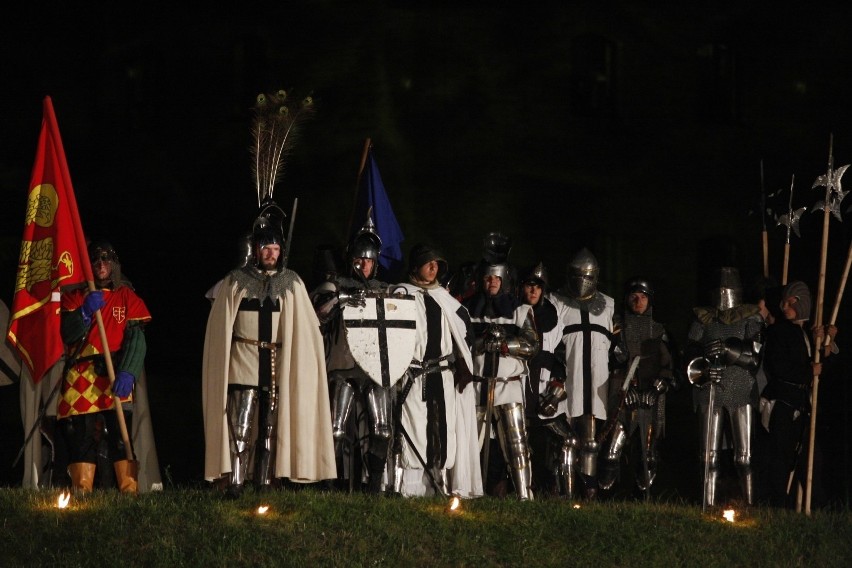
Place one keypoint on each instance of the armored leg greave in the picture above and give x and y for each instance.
(341, 405)
(379, 405)
(381, 432)
(568, 464)
(741, 425)
(711, 436)
(267, 423)
(512, 432)
(610, 466)
(242, 405)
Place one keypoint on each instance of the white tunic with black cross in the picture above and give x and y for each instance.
(587, 336)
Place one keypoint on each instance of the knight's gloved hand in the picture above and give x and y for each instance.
(714, 349)
(123, 384)
(93, 302)
(631, 399)
(715, 373)
(551, 397)
(661, 386)
(649, 398)
(354, 297)
(496, 346)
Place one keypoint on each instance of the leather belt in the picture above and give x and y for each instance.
(261, 344)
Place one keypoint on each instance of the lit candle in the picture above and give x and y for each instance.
(63, 500)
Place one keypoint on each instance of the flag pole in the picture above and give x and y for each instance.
(87, 271)
(366, 152)
(763, 221)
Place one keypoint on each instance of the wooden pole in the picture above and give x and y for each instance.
(836, 310)
(786, 263)
(122, 425)
(818, 324)
(367, 144)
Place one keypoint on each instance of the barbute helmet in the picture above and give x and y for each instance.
(582, 278)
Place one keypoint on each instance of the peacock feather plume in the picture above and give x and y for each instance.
(277, 119)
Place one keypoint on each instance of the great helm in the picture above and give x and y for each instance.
(729, 293)
(582, 277)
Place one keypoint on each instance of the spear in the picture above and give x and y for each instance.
(791, 221)
(763, 221)
(833, 196)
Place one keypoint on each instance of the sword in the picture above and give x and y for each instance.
(634, 364)
(489, 412)
(432, 366)
(290, 234)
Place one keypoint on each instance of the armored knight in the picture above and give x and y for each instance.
(504, 340)
(638, 405)
(264, 390)
(724, 352)
(350, 385)
(587, 339)
(552, 441)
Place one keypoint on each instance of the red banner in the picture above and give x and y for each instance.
(53, 253)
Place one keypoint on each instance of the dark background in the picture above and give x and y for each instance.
(634, 130)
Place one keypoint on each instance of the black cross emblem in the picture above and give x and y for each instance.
(382, 324)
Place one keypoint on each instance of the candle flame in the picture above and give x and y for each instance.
(262, 509)
(63, 500)
(455, 503)
(729, 515)
(576, 505)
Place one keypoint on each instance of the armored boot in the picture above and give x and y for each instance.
(126, 476)
(82, 476)
(375, 469)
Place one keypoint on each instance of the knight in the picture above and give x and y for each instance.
(264, 390)
(350, 385)
(724, 354)
(638, 410)
(552, 442)
(587, 340)
(504, 339)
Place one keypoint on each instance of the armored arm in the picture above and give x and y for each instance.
(743, 353)
(526, 344)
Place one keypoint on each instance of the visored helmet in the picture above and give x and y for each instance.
(582, 276)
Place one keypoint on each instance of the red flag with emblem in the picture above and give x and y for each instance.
(53, 253)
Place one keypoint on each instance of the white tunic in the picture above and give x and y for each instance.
(580, 327)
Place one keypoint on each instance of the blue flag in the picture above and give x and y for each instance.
(371, 193)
